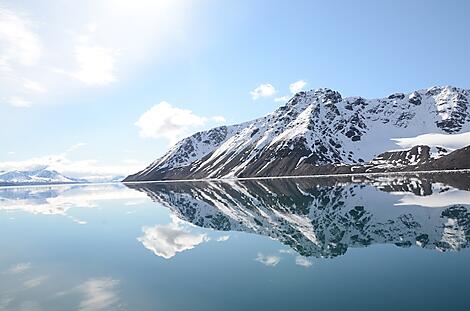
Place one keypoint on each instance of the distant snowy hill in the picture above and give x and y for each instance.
(40, 176)
(319, 131)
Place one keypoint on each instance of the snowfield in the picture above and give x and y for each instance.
(447, 141)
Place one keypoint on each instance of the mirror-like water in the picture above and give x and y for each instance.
(300, 244)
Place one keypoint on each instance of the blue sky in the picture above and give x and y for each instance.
(74, 81)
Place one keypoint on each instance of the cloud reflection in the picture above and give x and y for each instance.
(19, 268)
(100, 294)
(268, 260)
(57, 200)
(168, 240)
(303, 261)
(35, 282)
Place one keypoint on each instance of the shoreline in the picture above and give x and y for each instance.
(459, 171)
(60, 185)
(301, 176)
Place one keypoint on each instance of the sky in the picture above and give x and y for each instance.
(100, 88)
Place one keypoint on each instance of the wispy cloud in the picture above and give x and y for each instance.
(16, 101)
(263, 90)
(20, 44)
(34, 86)
(20, 49)
(95, 64)
(77, 49)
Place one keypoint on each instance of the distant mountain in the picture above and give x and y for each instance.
(320, 132)
(36, 177)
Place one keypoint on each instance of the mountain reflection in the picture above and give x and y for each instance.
(57, 200)
(324, 217)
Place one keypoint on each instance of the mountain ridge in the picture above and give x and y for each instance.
(35, 177)
(320, 131)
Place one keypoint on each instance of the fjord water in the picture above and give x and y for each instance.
(349, 243)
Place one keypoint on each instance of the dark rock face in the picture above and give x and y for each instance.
(414, 156)
(320, 132)
(415, 98)
(459, 159)
(397, 96)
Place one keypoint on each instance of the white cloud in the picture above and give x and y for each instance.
(168, 240)
(17, 101)
(99, 294)
(19, 45)
(19, 268)
(294, 87)
(33, 86)
(303, 261)
(281, 99)
(297, 86)
(166, 121)
(20, 49)
(268, 260)
(219, 119)
(263, 90)
(96, 64)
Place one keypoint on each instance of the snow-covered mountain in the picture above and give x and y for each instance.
(319, 131)
(324, 217)
(39, 176)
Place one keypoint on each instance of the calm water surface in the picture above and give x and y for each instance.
(289, 244)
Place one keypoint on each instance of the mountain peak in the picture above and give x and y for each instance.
(328, 96)
(323, 95)
(319, 128)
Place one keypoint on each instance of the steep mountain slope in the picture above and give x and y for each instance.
(318, 132)
(40, 176)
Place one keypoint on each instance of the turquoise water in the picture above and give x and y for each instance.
(298, 244)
